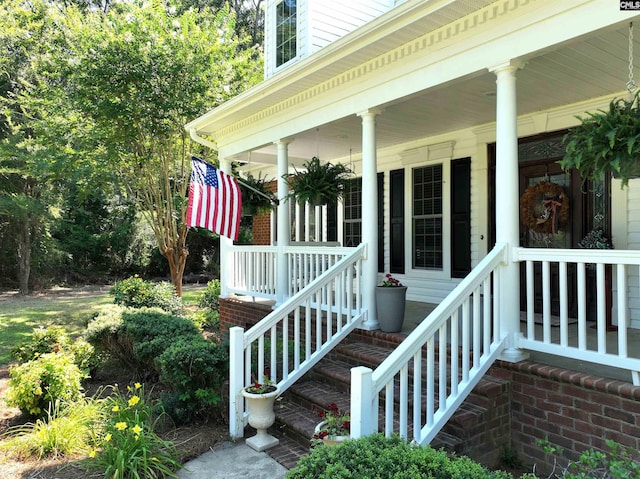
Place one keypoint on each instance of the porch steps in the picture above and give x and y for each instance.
(478, 418)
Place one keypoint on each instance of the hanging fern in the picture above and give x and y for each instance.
(606, 141)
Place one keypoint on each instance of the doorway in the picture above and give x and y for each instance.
(589, 209)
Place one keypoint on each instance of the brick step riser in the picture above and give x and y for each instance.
(467, 416)
(476, 398)
(466, 427)
(302, 435)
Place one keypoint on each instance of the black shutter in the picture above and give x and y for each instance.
(460, 217)
(396, 233)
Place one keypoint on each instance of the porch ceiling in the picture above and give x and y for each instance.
(590, 67)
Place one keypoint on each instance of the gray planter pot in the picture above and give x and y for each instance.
(390, 302)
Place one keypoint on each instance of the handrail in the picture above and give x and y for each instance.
(473, 303)
(322, 314)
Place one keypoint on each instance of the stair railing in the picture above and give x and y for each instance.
(289, 341)
(466, 321)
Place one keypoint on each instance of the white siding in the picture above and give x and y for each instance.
(633, 242)
(320, 22)
(330, 20)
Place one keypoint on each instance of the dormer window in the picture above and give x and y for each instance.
(286, 29)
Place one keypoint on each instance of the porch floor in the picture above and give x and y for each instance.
(416, 311)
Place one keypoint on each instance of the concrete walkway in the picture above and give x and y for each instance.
(231, 461)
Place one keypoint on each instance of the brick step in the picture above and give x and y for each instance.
(478, 423)
(335, 369)
(296, 419)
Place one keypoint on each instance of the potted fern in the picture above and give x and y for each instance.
(606, 141)
(256, 197)
(318, 183)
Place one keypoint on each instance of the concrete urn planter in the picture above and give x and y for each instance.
(261, 418)
(390, 303)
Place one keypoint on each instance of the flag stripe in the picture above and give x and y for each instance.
(215, 200)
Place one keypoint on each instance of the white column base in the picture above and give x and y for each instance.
(370, 325)
(513, 355)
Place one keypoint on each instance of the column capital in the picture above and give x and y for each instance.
(510, 66)
(284, 141)
(371, 112)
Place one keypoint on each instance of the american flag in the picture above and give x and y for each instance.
(215, 201)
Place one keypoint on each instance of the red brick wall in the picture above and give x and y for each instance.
(575, 411)
(262, 229)
(262, 223)
(240, 313)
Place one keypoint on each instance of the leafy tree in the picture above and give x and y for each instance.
(105, 93)
(141, 72)
(25, 191)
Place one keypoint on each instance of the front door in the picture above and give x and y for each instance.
(588, 209)
(547, 230)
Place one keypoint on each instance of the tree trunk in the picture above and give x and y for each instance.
(177, 259)
(24, 256)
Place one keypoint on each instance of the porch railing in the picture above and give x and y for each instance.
(254, 267)
(421, 384)
(293, 338)
(588, 285)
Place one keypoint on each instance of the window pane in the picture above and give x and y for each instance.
(286, 44)
(353, 212)
(427, 217)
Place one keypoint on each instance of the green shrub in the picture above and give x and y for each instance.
(129, 446)
(36, 385)
(152, 332)
(43, 340)
(138, 293)
(55, 339)
(137, 337)
(618, 463)
(379, 457)
(210, 296)
(67, 431)
(205, 319)
(195, 369)
(106, 334)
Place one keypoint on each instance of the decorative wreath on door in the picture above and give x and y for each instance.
(544, 208)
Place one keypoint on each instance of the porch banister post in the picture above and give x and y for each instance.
(284, 225)
(236, 380)
(362, 403)
(369, 217)
(226, 261)
(507, 221)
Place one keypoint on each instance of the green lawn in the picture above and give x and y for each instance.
(70, 308)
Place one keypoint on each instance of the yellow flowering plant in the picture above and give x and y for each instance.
(129, 447)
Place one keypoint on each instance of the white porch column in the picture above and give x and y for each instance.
(369, 217)
(284, 225)
(507, 221)
(226, 261)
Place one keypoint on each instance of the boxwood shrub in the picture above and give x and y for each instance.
(377, 457)
(195, 369)
(139, 293)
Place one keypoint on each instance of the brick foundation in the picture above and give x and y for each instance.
(240, 313)
(575, 411)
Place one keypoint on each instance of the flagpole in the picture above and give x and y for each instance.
(275, 201)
